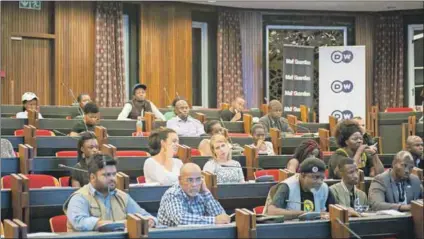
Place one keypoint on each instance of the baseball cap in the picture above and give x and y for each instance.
(312, 165)
(27, 96)
(136, 86)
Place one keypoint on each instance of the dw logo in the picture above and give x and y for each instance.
(346, 114)
(338, 56)
(339, 86)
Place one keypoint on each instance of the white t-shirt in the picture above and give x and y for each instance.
(24, 115)
(154, 172)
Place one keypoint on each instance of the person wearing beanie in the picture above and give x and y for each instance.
(301, 193)
(139, 105)
(349, 137)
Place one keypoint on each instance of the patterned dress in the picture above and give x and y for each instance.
(233, 173)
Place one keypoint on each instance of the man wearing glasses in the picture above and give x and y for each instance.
(190, 201)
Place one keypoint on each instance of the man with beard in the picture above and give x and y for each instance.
(397, 187)
(183, 123)
(99, 202)
(414, 145)
(301, 193)
(139, 105)
(190, 201)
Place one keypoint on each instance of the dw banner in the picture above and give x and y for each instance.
(342, 82)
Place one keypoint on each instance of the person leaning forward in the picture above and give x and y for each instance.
(301, 193)
(99, 202)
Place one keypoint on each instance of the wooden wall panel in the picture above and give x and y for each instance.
(74, 49)
(364, 34)
(28, 61)
(165, 51)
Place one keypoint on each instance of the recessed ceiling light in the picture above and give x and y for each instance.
(211, 1)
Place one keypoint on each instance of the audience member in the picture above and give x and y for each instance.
(171, 114)
(235, 112)
(29, 102)
(99, 202)
(397, 187)
(139, 105)
(87, 146)
(414, 145)
(183, 123)
(345, 193)
(212, 127)
(258, 134)
(349, 137)
(274, 118)
(162, 167)
(368, 139)
(82, 99)
(307, 149)
(303, 192)
(190, 201)
(6, 149)
(226, 169)
(90, 121)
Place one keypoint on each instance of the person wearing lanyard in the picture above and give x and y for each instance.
(345, 193)
(397, 187)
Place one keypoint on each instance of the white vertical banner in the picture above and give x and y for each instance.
(342, 82)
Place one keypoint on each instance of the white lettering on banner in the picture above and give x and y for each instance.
(298, 62)
(297, 93)
(347, 86)
(296, 77)
(291, 109)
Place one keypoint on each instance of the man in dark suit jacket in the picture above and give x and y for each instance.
(397, 187)
(274, 118)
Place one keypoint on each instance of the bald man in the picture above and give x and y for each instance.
(274, 118)
(190, 201)
(235, 112)
(183, 123)
(414, 145)
(397, 187)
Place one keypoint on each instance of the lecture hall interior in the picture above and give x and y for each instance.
(212, 119)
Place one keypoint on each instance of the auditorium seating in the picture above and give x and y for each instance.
(141, 179)
(38, 132)
(398, 109)
(126, 153)
(64, 181)
(195, 152)
(258, 209)
(58, 224)
(35, 181)
(271, 172)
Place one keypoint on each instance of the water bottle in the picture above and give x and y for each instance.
(139, 126)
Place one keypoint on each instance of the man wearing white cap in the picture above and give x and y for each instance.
(29, 102)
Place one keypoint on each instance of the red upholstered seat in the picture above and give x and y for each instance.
(141, 179)
(64, 181)
(35, 181)
(271, 172)
(195, 152)
(143, 134)
(124, 153)
(67, 154)
(132, 153)
(58, 223)
(258, 209)
(399, 109)
(38, 132)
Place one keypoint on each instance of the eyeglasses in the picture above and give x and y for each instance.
(193, 180)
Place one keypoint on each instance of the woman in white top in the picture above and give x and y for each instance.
(258, 134)
(162, 168)
(226, 169)
(29, 102)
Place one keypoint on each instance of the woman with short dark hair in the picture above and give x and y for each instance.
(162, 167)
(349, 137)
